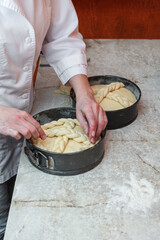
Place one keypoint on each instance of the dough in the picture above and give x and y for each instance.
(113, 96)
(63, 136)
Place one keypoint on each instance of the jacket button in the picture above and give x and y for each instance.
(28, 40)
(25, 95)
(25, 69)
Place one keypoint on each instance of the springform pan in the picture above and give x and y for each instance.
(63, 163)
(116, 118)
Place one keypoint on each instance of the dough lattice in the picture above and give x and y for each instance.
(62, 121)
(104, 91)
(125, 102)
(63, 130)
(60, 144)
(68, 132)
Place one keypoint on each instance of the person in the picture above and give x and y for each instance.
(27, 28)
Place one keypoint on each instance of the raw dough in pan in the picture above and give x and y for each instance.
(63, 136)
(113, 96)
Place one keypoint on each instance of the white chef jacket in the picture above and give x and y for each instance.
(26, 28)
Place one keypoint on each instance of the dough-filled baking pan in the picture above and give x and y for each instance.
(66, 163)
(116, 118)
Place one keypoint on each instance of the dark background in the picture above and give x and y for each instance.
(119, 19)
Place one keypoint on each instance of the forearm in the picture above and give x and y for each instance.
(90, 115)
(81, 85)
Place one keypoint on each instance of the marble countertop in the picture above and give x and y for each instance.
(120, 198)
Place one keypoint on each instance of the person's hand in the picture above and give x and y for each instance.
(17, 123)
(90, 115)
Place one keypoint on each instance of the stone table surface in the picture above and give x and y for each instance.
(120, 198)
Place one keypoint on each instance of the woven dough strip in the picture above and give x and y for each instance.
(68, 132)
(64, 130)
(125, 102)
(60, 144)
(71, 122)
(103, 92)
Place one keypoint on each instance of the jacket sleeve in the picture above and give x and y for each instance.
(63, 46)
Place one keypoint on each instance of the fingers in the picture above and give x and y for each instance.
(27, 129)
(23, 130)
(92, 122)
(25, 125)
(13, 133)
(33, 126)
(102, 122)
(88, 120)
(94, 119)
(105, 120)
(14, 123)
(82, 120)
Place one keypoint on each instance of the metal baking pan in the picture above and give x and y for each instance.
(63, 163)
(116, 118)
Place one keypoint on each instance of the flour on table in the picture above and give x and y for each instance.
(138, 194)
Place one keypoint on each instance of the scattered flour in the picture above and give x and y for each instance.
(138, 194)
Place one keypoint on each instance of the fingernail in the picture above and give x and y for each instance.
(92, 140)
(93, 133)
(43, 137)
(39, 129)
(86, 131)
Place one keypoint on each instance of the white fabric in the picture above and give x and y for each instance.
(78, 69)
(26, 27)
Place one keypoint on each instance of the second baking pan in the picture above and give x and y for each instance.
(116, 118)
